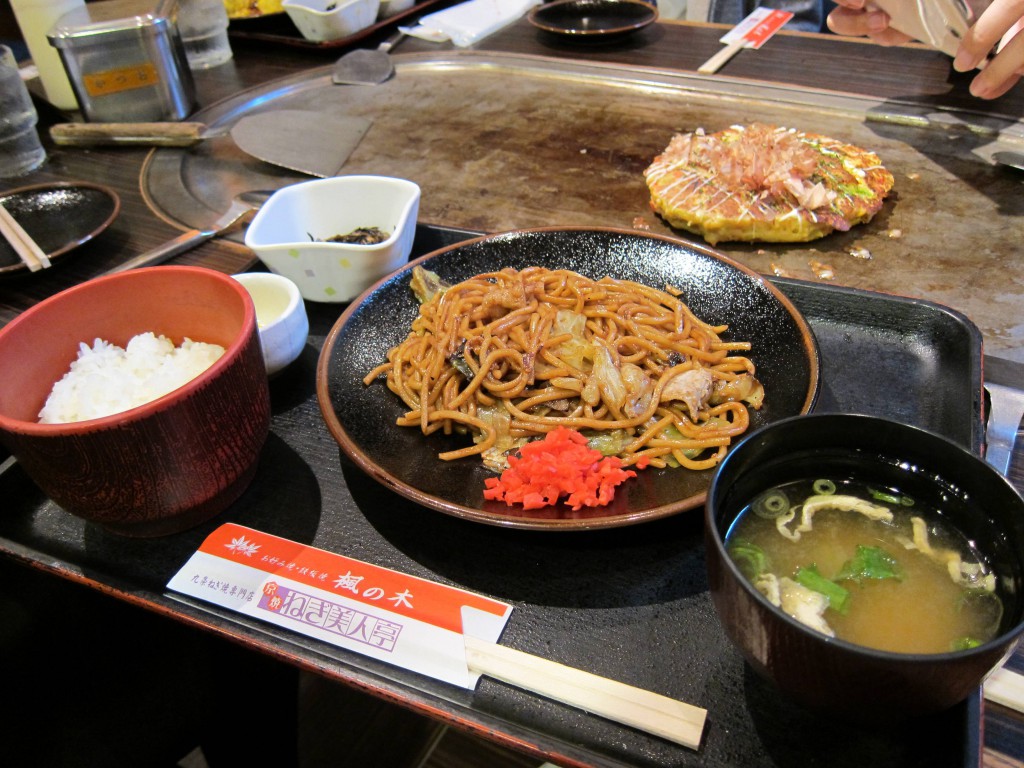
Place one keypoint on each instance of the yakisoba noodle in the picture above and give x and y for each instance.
(508, 356)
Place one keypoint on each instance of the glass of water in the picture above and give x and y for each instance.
(203, 26)
(20, 148)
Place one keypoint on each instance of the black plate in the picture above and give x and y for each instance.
(59, 217)
(593, 19)
(362, 418)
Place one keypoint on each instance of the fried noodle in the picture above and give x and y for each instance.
(508, 356)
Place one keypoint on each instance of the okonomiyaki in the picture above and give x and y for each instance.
(765, 183)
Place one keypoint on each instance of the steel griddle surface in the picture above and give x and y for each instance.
(502, 141)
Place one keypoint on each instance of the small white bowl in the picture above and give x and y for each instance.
(323, 20)
(289, 231)
(389, 8)
(280, 317)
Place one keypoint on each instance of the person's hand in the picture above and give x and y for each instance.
(853, 19)
(1002, 20)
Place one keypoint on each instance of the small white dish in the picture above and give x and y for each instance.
(280, 317)
(290, 232)
(389, 8)
(320, 21)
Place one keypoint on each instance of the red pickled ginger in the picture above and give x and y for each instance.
(559, 465)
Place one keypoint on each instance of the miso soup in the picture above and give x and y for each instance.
(866, 565)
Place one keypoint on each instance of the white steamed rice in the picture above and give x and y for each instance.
(106, 379)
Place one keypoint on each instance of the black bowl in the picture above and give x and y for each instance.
(832, 675)
(592, 20)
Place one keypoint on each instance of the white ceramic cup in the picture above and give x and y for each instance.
(280, 316)
(20, 148)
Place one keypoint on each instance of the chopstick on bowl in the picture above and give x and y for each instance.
(21, 241)
(651, 712)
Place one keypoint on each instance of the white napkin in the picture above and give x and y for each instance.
(469, 22)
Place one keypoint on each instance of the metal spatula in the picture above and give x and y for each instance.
(300, 140)
(365, 66)
(290, 139)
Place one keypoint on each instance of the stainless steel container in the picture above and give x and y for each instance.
(125, 60)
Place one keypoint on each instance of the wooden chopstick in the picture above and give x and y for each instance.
(717, 61)
(647, 711)
(1006, 688)
(27, 248)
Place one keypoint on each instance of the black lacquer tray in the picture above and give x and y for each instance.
(630, 603)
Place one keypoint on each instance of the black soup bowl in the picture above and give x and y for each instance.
(829, 675)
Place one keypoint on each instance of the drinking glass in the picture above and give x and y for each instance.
(203, 26)
(20, 148)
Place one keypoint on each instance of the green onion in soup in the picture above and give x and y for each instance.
(867, 565)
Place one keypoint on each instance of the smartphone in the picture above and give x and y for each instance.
(940, 24)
